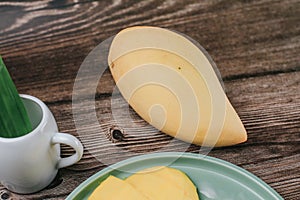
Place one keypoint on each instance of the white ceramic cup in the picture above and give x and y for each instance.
(29, 163)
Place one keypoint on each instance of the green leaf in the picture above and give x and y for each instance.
(14, 120)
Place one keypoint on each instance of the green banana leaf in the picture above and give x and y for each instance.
(14, 120)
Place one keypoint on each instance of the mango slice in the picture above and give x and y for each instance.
(114, 189)
(162, 183)
(178, 178)
(171, 84)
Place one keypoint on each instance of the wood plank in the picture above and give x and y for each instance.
(269, 107)
(264, 113)
(255, 44)
(275, 160)
(244, 38)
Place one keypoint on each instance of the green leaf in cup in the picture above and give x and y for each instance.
(14, 120)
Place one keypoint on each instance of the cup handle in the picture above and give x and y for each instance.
(63, 138)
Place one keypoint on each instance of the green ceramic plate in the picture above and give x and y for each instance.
(214, 178)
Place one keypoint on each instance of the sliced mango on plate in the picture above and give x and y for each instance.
(157, 183)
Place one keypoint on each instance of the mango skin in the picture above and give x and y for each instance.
(154, 66)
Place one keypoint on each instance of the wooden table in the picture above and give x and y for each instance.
(255, 44)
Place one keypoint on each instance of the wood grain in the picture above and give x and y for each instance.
(255, 44)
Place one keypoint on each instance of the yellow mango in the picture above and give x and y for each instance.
(171, 84)
(163, 183)
(114, 188)
(157, 183)
(178, 178)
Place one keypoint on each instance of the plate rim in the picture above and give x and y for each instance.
(174, 155)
